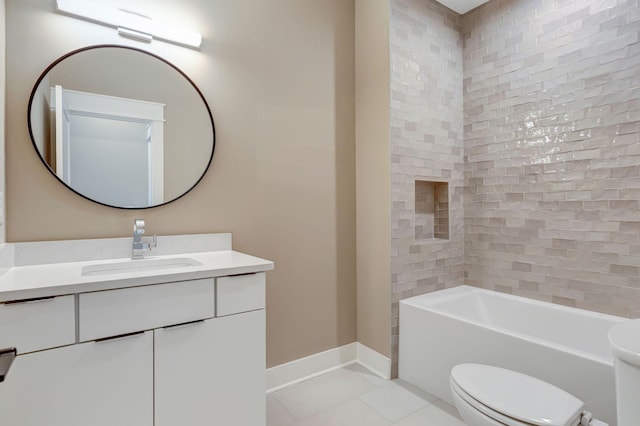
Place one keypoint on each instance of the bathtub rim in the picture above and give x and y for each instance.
(445, 295)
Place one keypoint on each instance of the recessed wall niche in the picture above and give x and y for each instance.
(431, 210)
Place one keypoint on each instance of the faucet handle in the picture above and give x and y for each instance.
(138, 226)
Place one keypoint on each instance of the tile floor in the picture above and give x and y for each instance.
(353, 396)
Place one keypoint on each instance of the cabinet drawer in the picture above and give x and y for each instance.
(240, 293)
(38, 324)
(115, 312)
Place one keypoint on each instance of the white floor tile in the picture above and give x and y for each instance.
(350, 413)
(318, 394)
(277, 415)
(353, 396)
(416, 390)
(365, 373)
(448, 409)
(436, 414)
(393, 401)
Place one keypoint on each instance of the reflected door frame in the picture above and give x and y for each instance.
(67, 103)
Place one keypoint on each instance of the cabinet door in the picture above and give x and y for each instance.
(97, 383)
(211, 372)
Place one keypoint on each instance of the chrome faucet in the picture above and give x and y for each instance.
(141, 245)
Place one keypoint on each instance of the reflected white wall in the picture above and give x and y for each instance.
(112, 165)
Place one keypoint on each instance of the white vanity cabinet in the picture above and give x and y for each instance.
(219, 365)
(153, 355)
(37, 324)
(128, 310)
(54, 381)
(96, 383)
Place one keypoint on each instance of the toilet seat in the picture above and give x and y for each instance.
(514, 399)
(477, 414)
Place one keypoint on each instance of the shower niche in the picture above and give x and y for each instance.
(431, 210)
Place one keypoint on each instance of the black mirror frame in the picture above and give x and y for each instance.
(99, 46)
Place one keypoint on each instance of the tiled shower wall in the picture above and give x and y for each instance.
(426, 145)
(552, 148)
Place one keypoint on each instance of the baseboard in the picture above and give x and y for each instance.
(374, 361)
(302, 369)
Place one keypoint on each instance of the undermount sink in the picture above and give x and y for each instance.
(138, 265)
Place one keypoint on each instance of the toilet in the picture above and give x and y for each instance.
(492, 396)
(624, 338)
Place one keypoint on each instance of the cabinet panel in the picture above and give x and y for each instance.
(36, 325)
(211, 372)
(115, 312)
(97, 383)
(240, 293)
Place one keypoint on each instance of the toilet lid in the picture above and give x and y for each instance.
(517, 395)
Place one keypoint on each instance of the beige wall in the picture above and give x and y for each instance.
(373, 174)
(279, 77)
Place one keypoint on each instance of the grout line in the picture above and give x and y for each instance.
(429, 403)
(273, 397)
(76, 303)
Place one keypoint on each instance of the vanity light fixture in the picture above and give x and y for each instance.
(128, 23)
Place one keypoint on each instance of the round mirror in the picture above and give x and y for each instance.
(121, 126)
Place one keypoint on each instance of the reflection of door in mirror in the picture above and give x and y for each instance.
(96, 136)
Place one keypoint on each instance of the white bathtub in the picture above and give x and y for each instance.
(564, 346)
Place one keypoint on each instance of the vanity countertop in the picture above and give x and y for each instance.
(35, 281)
(65, 276)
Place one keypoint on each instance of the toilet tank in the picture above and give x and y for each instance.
(625, 344)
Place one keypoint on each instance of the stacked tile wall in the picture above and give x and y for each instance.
(441, 207)
(426, 145)
(552, 151)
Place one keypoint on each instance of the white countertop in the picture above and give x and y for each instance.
(61, 278)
